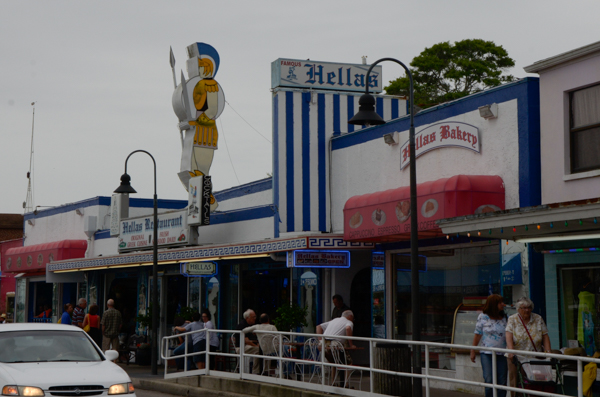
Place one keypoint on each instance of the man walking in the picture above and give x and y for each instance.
(338, 306)
(111, 325)
(78, 313)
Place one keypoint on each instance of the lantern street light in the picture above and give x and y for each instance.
(125, 187)
(367, 116)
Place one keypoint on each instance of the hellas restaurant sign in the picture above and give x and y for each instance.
(173, 230)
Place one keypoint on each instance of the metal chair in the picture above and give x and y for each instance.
(339, 357)
(285, 353)
(311, 354)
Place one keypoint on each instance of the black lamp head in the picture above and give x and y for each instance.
(366, 112)
(125, 186)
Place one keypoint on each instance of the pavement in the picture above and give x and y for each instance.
(209, 386)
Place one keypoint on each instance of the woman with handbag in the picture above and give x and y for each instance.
(490, 331)
(91, 325)
(525, 331)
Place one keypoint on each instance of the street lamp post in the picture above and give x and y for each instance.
(125, 187)
(367, 116)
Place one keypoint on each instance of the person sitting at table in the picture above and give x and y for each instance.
(250, 341)
(265, 340)
(341, 326)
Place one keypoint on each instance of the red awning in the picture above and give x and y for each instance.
(33, 258)
(385, 216)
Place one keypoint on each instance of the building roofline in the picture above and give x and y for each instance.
(563, 58)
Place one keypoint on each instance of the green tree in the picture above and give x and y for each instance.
(448, 71)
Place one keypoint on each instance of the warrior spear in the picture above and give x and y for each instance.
(172, 61)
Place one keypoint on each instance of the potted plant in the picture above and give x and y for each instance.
(290, 317)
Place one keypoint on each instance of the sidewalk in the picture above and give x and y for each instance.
(143, 379)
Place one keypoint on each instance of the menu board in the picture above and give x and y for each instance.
(464, 327)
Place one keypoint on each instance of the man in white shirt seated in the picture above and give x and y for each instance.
(341, 326)
(265, 340)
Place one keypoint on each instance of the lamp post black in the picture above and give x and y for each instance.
(367, 116)
(125, 187)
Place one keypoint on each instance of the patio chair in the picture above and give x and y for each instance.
(311, 354)
(339, 357)
(285, 353)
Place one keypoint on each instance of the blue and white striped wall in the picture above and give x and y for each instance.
(303, 123)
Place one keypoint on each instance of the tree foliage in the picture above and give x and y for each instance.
(448, 71)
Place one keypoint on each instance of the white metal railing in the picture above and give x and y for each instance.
(324, 386)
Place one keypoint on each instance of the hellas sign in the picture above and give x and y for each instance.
(324, 75)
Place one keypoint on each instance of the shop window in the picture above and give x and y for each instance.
(580, 301)
(584, 113)
(448, 277)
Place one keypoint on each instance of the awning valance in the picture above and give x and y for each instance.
(33, 258)
(385, 216)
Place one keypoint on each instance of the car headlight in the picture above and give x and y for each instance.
(29, 391)
(121, 388)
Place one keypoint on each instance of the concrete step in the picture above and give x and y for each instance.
(210, 386)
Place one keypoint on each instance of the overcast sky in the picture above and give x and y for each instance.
(100, 76)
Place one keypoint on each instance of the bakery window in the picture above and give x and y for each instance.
(584, 129)
(447, 277)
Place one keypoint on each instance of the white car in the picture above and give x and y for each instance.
(57, 360)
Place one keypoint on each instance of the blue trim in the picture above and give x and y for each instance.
(530, 172)
(336, 114)
(306, 98)
(350, 111)
(242, 190)
(525, 91)
(105, 201)
(322, 163)
(276, 162)
(395, 112)
(102, 234)
(379, 106)
(245, 214)
(289, 149)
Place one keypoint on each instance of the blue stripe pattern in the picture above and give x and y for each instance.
(394, 109)
(350, 112)
(336, 114)
(316, 117)
(289, 152)
(306, 98)
(321, 162)
(276, 162)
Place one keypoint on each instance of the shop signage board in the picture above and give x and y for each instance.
(387, 214)
(320, 258)
(173, 230)
(198, 210)
(378, 260)
(512, 273)
(401, 262)
(442, 135)
(298, 73)
(199, 269)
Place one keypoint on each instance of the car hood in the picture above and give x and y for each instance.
(74, 373)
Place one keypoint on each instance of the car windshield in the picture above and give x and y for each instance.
(46, 345)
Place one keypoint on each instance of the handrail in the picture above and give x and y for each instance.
(372, 342)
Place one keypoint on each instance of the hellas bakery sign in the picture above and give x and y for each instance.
(436, 136)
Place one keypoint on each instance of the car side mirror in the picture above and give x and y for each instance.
(111, 355)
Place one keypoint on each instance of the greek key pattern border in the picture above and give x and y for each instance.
(211, 252)
(190, 254)
(337, 242)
